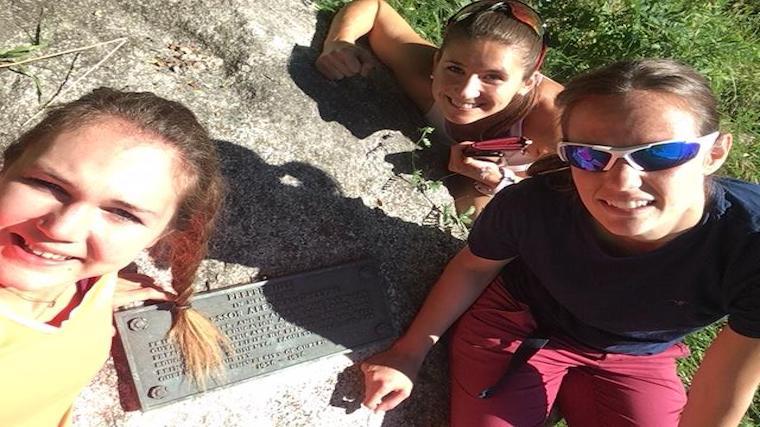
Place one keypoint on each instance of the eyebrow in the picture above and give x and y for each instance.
(45, 169)
(490, 70)
(131, 207)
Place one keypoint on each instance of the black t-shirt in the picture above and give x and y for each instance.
(638, 304)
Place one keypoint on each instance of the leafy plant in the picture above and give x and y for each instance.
(449, 217)
(445, 216)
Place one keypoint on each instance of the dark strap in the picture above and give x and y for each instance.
(530, 345)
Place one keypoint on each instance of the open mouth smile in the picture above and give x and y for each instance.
(38, 251)
(463, 105)
(628, 205)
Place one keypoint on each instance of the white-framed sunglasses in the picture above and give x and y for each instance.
(647, 157)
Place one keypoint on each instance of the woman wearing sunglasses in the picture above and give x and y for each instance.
(577, 286)
(482, 83)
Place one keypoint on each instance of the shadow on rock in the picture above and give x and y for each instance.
(293, 217)
(362, 105)
(348, 389)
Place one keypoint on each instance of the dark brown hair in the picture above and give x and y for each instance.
(185, 246)
(496, 25)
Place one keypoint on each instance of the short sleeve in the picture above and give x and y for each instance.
(491, 236)
(744, 308)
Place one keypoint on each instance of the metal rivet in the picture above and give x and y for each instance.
(158, 392)
(137, 324)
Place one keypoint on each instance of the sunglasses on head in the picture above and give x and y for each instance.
(517, 10)
(648, 157)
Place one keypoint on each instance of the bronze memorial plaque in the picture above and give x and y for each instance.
(272, 324)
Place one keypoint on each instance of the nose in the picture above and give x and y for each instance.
(69, 223)
(471, 87)
(623, 176)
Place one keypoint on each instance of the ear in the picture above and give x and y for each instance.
(436, 60)
(718, 154)
(528, 83)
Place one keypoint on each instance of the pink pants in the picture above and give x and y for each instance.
(592, 388)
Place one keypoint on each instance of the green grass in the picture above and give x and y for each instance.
(720, 38)
(23, 52)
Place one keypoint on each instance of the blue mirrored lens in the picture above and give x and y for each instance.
(665, 156)
(586, 158)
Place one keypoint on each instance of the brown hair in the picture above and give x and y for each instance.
(495, 25)
(184, 248)
(665, 76)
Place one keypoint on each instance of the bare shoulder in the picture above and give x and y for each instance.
(542, 123)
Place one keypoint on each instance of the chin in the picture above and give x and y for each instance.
(26, 279)
(464, 117)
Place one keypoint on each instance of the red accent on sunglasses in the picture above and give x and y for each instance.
(515, 9)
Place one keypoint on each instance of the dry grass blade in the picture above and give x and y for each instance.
(120, 42)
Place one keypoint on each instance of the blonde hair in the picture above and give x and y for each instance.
(199, 340)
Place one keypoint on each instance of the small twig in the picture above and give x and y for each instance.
(122, 40)
(66, 77)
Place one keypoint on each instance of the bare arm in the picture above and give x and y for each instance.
(389, 375)
(393, 41)
(355, 20)
(725, 382)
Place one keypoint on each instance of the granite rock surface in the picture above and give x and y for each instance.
(319, 174)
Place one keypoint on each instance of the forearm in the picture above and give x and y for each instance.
(355, 20)
(717, 404)
(725, 383)
(456, 290)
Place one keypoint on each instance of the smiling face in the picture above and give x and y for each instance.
(640, 210)
(84, 204)
(475, 79)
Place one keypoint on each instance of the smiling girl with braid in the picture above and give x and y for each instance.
(96, 182)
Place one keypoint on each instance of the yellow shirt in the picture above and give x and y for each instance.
(43, 367)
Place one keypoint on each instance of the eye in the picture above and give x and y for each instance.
(56, 190)
(493, 78)
(124, 215)
(455, 69)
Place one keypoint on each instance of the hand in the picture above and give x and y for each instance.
(483, 171)
(388, 379)
(135, 287)
(508, 178)
(341, 59)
